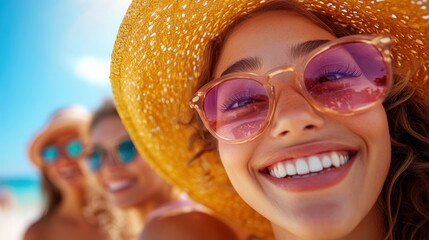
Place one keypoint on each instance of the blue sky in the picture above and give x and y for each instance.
(53, 53)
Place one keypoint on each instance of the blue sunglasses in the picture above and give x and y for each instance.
(50, 153)
(125, 152)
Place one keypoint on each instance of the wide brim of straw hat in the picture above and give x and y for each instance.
(155, 68)
(74, 117)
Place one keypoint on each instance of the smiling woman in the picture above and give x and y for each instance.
(309, 153)
(276, 150)
(55, 151)
(313, 110)
(126, 178)
(153, 209)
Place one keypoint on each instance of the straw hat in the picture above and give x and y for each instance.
(155, 69)
(73, 117)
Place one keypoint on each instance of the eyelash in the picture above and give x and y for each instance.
(241, 96)
(350, 71)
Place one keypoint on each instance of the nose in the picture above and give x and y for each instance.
(109, 160)
(63, 158)
(110, 164)
(294, 115)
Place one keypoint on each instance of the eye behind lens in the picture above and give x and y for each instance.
(126, 151)
(74, 148)
(347, 77)
(49, 154)
(93, 160)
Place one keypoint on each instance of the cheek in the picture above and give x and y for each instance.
(380, 147)
(374, 130)
(51, 173)
(99, 177)
(236, 159)
(372, 127)
(143, 172)
(138, 167)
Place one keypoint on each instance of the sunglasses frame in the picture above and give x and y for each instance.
(113, 150)
(380, 42)
(61, 150)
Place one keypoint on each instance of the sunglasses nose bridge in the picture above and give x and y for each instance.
(281, 75)
(110, 158)
(63, 157)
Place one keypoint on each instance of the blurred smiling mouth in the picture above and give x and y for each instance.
(311, 172)
(69, 172)
(120, 185)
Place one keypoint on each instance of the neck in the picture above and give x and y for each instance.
(137, 215)
(72, 204)
(371, 227)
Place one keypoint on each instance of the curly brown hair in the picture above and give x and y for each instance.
(404, 199)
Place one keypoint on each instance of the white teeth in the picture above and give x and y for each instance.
(326, 162)
(290, 168)
(310, 164)
(335, 159)
(276, 172)
(315, 164)
(118, 185)
(301, 166)
(342, 160)
(281, 170)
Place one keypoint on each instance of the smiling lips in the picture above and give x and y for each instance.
(116, 186)
(310, 164)
(69, 172)
(292, 170)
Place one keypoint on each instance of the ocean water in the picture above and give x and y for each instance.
(25, 207)
(25, 191)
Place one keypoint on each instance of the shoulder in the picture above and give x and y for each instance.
(187, 226)
(35, 231)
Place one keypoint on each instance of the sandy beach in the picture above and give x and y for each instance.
(14, 222)
(24, 207)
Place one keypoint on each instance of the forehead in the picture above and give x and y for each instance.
(269, 36)
(108, 130)
(61, 136)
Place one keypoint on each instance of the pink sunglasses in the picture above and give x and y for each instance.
(343, 76)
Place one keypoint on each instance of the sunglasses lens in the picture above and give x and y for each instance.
(49, 154)
(236, 109)
(94, 160)
(74, 148)
(126, 151)
(347, 77)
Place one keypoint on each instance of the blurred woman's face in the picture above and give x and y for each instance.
(127, 183)
(64, 171)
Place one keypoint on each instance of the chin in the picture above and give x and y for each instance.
(127, 203)
(75, 184)
(317, 228)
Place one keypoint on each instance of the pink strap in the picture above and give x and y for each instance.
(182, 205)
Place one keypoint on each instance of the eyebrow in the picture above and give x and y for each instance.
(252, 63)
(301, 49)
(245, 64)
